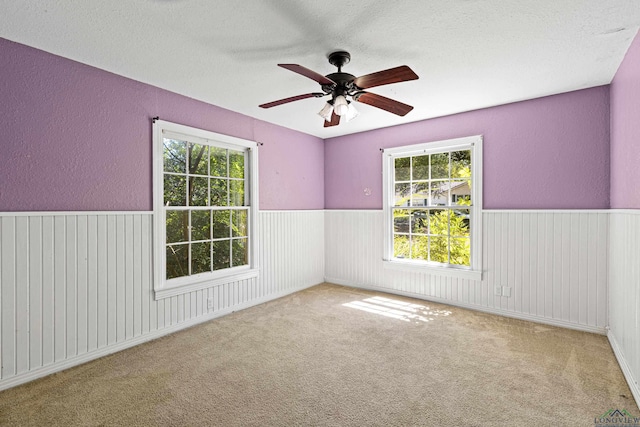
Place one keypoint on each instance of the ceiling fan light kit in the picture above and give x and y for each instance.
(340, 105)
(326, 112)
(351, 113)
(342, 86)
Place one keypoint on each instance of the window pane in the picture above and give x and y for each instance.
(220, 254)
(218, 159)
(177, 226)
(402, 169)
(401, 246)
(420, 247)
(420, 194)
(460, 252)
(401, 221)
(200, 225)
(459, 224)
(240, 254)
(439, 193)
(461, 193)
(403, 193)
(236, 164)
(174, 156)
(177, 261)
(219, 192)
(420, 222)
(200, 257)
(440, 165)
(198, 191)
(461, 164)
(420, 167)
(221, 224)
(239, 223)
(439, 249)
(236, 193)
(175, 190)
(439, 221)
(198, 156)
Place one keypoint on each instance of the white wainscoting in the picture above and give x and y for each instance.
(77, 286)
(556, 263)
(624, 294)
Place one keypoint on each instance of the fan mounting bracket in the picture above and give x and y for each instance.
(339, 59)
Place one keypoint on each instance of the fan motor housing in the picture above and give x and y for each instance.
(344, 84)
(344, 81)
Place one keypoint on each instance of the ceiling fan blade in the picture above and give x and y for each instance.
(393, 75)
(308, 73)
(335, 120)
(383, 103)
(291, 99)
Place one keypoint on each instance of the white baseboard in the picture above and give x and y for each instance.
(114, 348)
(626, 370)
(505, 313)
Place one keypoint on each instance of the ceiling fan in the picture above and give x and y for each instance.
(342, 86)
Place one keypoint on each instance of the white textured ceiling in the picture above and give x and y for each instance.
(469, 54)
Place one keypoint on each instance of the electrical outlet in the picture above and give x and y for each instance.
(506, 291)
(498, 290)
(209, 303)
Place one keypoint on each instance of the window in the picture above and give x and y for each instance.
(204, 208)
(432, 206)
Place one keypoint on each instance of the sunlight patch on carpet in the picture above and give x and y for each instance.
(396, 309)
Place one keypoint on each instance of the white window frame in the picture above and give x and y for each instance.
(473, 143)
(164, 288)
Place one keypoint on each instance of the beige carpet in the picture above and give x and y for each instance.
(336, 356)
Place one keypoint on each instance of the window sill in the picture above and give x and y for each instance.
(168, 292)
(431, 269)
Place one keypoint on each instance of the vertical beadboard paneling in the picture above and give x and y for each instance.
(59, 288)
(71, 303)
(47, 307)
(556, 259)
(103, 267)
(7, 296)
(22, 294)
(35, 292)
(129, 275)
(582, 280)
(112, 287)
(75, 286)
(119, 267)
(81, 284)
(524, 296)
(92, 282)
(543, 256)
(145, 274)
(592, 278)
(137, 276)
(624, 294)
(291, 250)
(602, 269)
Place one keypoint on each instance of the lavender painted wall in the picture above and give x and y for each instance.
(291, 168)
(76, 138)
(625, 131)
(546, 153)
